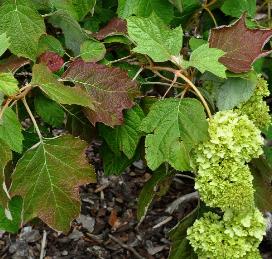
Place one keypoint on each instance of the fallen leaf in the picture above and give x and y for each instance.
(241, 44)
(113, 218)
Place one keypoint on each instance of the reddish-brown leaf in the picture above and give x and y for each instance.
(12, 64)
(115, 26)
(110, 87)
(52, 60)
(241, 44)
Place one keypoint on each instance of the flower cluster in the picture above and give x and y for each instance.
(233, 236)
(228, 185)
(256, 108)
(224, 181)
(232, 136)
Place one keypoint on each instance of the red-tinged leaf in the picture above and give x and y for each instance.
(52, 60)
(110, 87)
(241, 44)
(12, 64)
(48, 178)
(115, 26)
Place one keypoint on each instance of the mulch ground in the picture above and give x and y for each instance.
(107, 226)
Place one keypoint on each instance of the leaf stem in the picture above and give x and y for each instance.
(171, 86)
(4, 108)
(162, 83)
(210, 3)
(23, 92)
(120, 59)
(187, 80)
(190, 83)
(183, 93)
(205, 7)
(33, 119)
(138, 73)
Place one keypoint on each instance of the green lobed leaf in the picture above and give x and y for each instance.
(12, 222)
(237, 8)
(73, 33)
(78, 9)
(43, 5)
(48, 177)
(2, 97)
(148, 193)
(124, 138)
(92, 51)
(174, 126)
(178, 4)
(5, 157)
(144, 8)
(154, 38)
(10, 130)
(163, 9)
(206, 59)
(56, 91)
(8, 84)
(117, 39)
(262, 177)
(196, 43)
(77, 123)
(189, 8)
(23, 25)
(50, 43)
(114, 163)
(127, 8)
(180, 248)
(4, 43)
(49, 111)
(235, 91)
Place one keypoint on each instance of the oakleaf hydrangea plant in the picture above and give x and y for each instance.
(181, 85)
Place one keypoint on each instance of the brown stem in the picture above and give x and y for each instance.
(33, 119)
(205, 7)
(4, 108)
(184, 92)
(210, 3)
(23, 93)
(170, 87)
(161, 76)
(189, 82)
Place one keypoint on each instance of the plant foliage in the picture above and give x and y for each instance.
(181, 85)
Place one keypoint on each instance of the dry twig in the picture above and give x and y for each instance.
(131, 249)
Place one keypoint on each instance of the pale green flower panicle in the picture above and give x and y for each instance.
(224, 180)
(256, 108)
(233, 236)
(228, 185)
